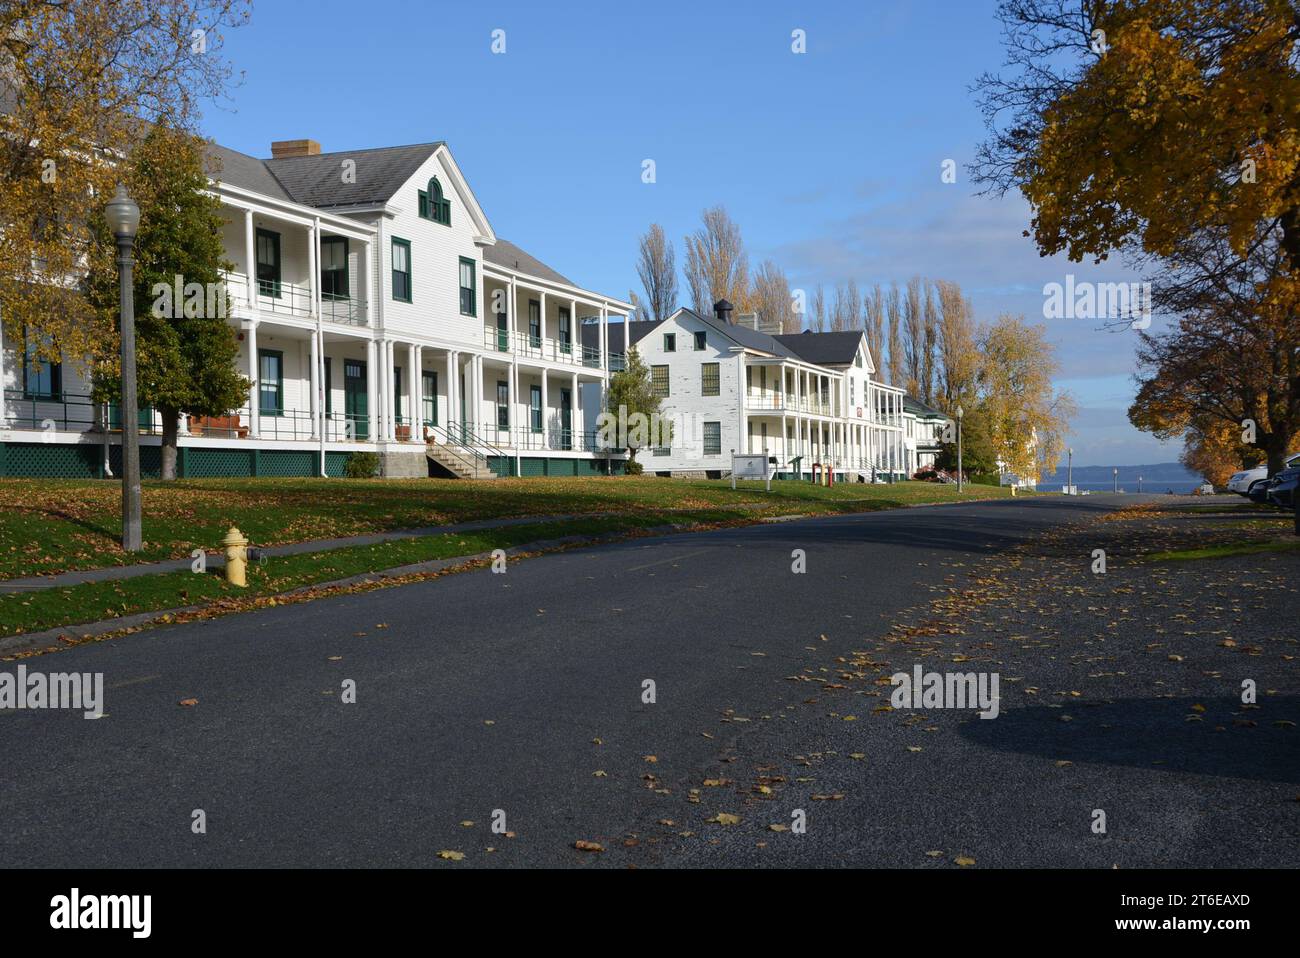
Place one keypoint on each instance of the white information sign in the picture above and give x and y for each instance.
(752, 466)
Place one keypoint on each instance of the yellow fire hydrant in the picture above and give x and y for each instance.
(236, 557)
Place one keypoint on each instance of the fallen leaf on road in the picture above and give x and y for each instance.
(451, 856)
(725, 818)
(189, 702)
(586, 846)
(963, 861)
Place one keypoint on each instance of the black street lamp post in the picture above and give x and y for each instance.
(961, 482)
(123, 219)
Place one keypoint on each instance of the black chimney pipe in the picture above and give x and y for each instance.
(722, 309)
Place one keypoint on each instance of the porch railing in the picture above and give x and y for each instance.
(290, 299)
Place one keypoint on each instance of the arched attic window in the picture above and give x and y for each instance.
(433, 205)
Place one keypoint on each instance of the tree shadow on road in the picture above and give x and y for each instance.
(1227, 739)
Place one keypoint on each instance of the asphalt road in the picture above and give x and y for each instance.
(523, 693)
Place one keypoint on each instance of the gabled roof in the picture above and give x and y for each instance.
(380, 173)
(743, 335)
(824, 349)
(509, 256)
(618, 333)
(917, 408)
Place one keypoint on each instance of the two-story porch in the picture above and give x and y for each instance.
(792, 409)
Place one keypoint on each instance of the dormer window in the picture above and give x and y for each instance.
(433, 206)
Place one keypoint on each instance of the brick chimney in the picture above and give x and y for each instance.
(281, 149)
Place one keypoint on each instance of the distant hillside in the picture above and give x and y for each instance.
(1167, 472)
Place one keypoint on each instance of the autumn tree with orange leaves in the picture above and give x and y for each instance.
(80, 81)
(1166, 131)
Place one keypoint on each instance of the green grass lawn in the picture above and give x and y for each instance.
(99, 601)
(49, 526)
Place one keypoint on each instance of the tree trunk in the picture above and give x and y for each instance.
(170, 420)
(1277, 452)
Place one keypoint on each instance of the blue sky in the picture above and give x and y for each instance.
(830, 160)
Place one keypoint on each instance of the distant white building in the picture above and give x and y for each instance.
(729, 387)
(923, 428)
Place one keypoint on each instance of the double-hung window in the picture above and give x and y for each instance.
(334, 267)
(534, 323)
(429, 396)
(701, 340)
(270, 382)
(268, 264)
(468, 288)
(503, 405)
(535, 408)
(566, 331)
(41, 379)
(401, 270)
(670, 342)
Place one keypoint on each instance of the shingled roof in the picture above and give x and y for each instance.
(824, 349)
(316, 180)
(243, 171)
(508, 255)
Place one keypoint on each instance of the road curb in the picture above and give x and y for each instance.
(51, 640)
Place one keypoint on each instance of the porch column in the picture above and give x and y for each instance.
(372, 391)
(252, 378)
(416, 360)
(541, 309)
(575, 405)
(314, 379)
(3, 422)
(512, 316)
(512, 399)
(476, 395)
(322, 400)
(390, 391)
(575, 340)
(546, 425)
(453, 410)
(250, 259)
(604, 338)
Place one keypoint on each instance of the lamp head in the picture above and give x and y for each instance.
(122, 214)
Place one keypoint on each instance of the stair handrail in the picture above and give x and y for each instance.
(459, 449)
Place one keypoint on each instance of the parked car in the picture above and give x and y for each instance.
(1243, 482)
(1281, 490)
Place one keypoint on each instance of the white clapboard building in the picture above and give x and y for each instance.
(376, 310)
(807, 399)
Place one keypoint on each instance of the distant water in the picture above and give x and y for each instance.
(1179, 488)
